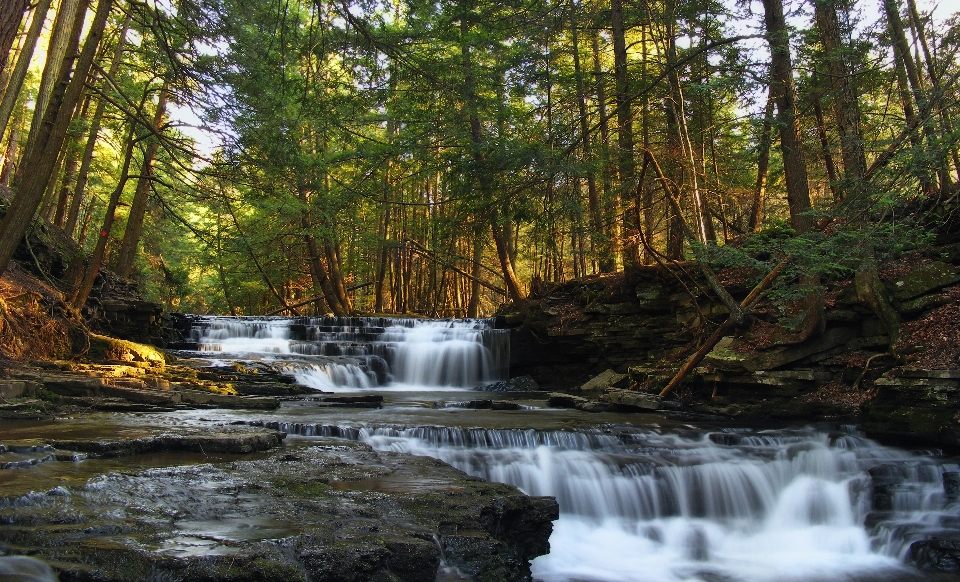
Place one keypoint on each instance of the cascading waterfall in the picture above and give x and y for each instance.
(645, 506)
(356, 353)
(637, 505)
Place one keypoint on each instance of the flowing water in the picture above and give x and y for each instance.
(641, 498)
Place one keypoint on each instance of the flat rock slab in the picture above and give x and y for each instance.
(229, 439)
(335, 511)
(604, 380)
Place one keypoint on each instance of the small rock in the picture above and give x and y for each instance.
(604, 380)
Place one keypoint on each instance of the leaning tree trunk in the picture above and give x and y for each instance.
(12, 91)
(138, 208)
(56, 121)
(64, 37)
(11, 13)
(96, 260)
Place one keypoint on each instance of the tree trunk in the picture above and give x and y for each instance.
(791, 141)
(12, 91)
(473, 309)
(83, 173)
(597, 236)
(63, 38)
(763, 163)
(42, 160)
(625, 162)
(11, 13)
(610, 199)
(845, 97)
(138, 208)
(902, 54)
(832, 177)
(96, 260)
(10, 154)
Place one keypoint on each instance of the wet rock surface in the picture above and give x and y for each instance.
(330, 511)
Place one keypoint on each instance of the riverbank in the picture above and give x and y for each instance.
(617, 340)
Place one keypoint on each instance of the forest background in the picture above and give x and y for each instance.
(442, 158)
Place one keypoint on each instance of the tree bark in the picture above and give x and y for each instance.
(763, 163)
(64, 37)
(625, 163)
(12, 91)
(11, 13)
(844, 95)
(56, 120)
(791, 141)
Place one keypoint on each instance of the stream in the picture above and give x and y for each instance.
(642, 498)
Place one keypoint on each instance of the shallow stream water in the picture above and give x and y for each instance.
(642, 498)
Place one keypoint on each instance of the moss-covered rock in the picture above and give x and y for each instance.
(108, 349)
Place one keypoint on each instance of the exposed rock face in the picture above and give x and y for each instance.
(331, 512)
(590, 333)
(116, 308)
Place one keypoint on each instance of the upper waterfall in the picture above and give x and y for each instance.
(350, 353)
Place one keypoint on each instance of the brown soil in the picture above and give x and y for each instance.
(34, 321)
(934, 339)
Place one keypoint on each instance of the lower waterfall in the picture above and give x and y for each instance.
(648, 506)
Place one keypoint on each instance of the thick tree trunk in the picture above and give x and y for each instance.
(791, 141)
(64, 37)
(41, 162)
(844, 94)
(15, 83)
(11, 13)
(138, 207)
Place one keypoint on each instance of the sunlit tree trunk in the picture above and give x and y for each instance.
(54, 129)
(19, 73)
(63, 37)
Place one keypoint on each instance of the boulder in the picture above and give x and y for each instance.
(923, 280)
(724, 356)
(329, 511)
(518, 384)
(604, 380)
(633, 399)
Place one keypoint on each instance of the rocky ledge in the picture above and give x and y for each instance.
(334, 511)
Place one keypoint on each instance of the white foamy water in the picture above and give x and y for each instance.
(646, 507)
(352, 354)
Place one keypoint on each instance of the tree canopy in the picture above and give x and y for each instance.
(444, 157)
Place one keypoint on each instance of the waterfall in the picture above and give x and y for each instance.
(336, 354)
(649, 506)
